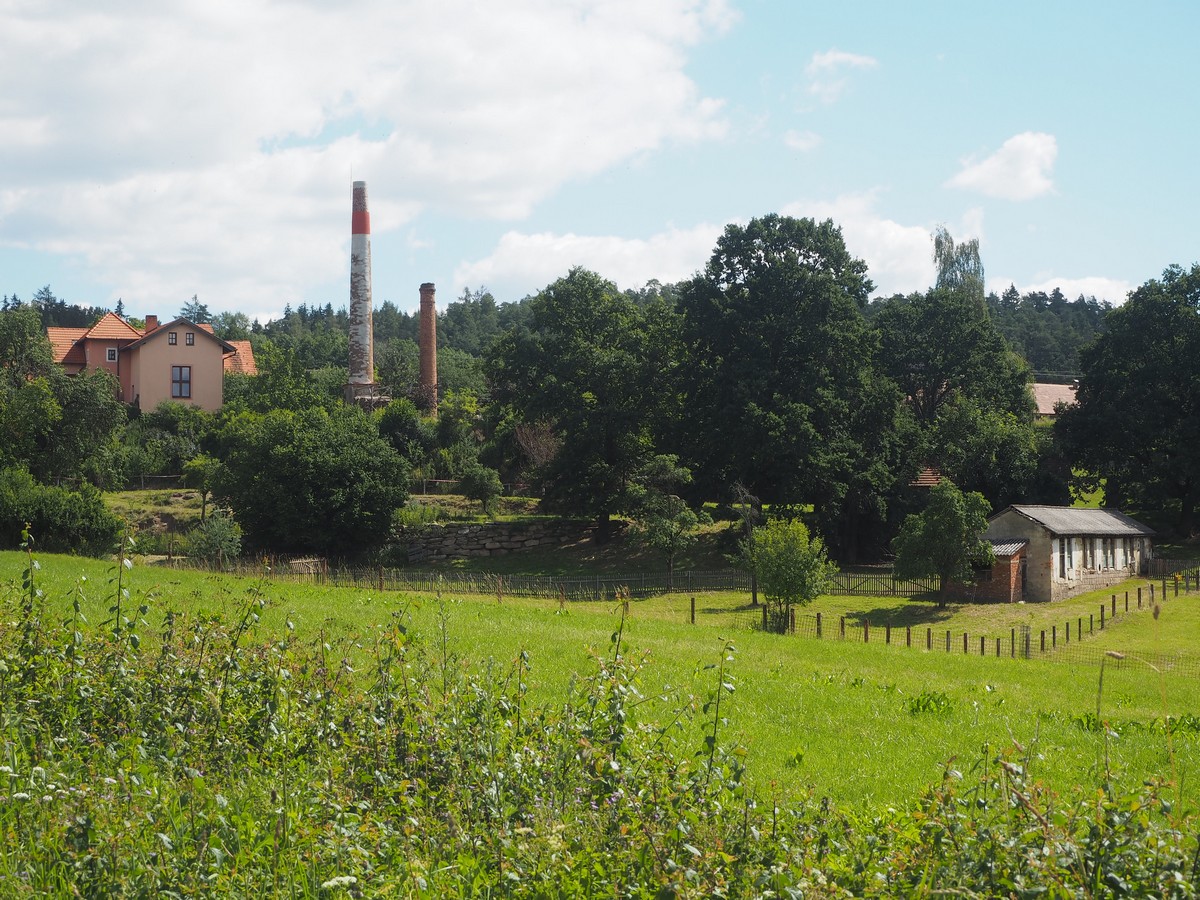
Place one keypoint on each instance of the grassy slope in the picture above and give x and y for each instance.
(834, 716)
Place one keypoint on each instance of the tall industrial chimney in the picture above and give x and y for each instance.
(362, 353)
(428, 387)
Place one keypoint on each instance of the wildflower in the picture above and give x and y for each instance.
(20, 795)
(341, 881)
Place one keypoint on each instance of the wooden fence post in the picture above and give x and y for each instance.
(1139, 598)
(1012, 642)
(1114, 604)
(791, 621)
(887, 634)
(1091, 623)
(1053, 636)
(866, 632)
(965, 642)
(1101, 616)
(997, 648)
(842, 628)
(907, 635)
(947, 640)
(693, 610)
(1043, 640)
(818, 624)
(982, 646)
(928, 638)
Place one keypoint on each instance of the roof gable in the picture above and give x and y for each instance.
(112, 327)
(185, 323)
(67, 345)
(1068, 520)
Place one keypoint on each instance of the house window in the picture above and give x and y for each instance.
(189, 338)
(111, 354)
(181, 381)
(1062, 557)
(172, 337)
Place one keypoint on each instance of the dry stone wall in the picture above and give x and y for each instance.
(433, 543)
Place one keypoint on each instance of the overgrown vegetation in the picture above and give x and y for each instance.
(221, 756)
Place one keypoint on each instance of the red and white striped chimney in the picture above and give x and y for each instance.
(362, 353)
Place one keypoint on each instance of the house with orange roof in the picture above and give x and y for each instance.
(182, 361)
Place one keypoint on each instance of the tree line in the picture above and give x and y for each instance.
(769, 377)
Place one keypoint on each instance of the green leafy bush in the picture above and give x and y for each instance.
(215, 539)
(65, 521)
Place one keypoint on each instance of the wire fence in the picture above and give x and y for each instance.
(568, 587)
(1068, 642)
(1065, 644)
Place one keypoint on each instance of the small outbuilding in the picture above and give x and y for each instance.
(1054, 552)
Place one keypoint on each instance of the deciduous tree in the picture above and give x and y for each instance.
(314, 481)
(946, 540)
(1136, 422)
(791, 565)
(585, 366)
(777, 376)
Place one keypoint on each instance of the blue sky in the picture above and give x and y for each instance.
(153, 152)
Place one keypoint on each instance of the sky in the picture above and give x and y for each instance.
(155, 151)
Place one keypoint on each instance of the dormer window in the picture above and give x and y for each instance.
(172, 337)
(189, 338)
(111, 354)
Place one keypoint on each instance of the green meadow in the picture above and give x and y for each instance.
(865, 724)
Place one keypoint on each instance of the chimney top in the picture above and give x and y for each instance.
(151, 323)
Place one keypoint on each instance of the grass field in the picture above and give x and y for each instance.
(866, 725)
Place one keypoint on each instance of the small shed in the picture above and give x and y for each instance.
(1064, 551)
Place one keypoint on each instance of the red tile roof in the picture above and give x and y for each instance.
(112, 327)
(241, 361)
(67, 345)
(928, 477)
(1047, 396)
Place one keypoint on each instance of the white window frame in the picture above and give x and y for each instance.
(110, 354)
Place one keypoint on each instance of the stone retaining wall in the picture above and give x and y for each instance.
(432, 543)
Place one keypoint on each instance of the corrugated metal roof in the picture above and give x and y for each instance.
(1068, 520)
(1007, 546)
(1047, 395)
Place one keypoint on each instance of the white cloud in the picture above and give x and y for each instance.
(1019, 170)
(899, 257)
(802, 141)
(1114, 290)
(539, 259)
(182, 147)
(824, 71)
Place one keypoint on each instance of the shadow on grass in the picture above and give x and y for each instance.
(919, 612)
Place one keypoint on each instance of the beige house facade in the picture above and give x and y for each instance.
(181, 361)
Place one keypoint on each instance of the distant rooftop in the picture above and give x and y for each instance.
(1047, 396)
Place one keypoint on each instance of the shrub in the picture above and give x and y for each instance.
(63, 521)
(215, 539)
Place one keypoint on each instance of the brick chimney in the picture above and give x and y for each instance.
(151, 323)
(428, 385)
